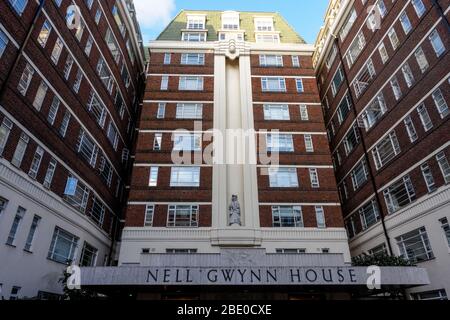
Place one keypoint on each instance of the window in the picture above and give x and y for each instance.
(196, 22)
(40, 96)
(36, 162)
(396, 88)
(230, 20)
(113, 135)
(15, 226)
(31, 233)
(283, 177)
(440, 103)
(266, 60)
(343, 109)
(79, 31)
(295, 62)
(431, 295)
(80, 196)
(182, 216)
(276, 112)
(395, 42)
(351, 140)
(308, 143)
(63, 246)
(194, 36)
(50, 173)
(273, 84)
(421, 60)
(190, 83)
(320, 217)
(5, 130)
(105, 75)
(408, 75)
(424, 117)
(410, 129)
(446, 228)
(157, 142)
(418, 7)
(53, 111)
(379, 250)
(386, 150)
(193, 58)
(349, 21)
(264, 24)
(374, 111)
(187, 142)
(355, 49)
(167, 58)
(3, 42)
(299, 85)
(428, 177)
(106, 170)
(20, 150)
(287, 217)
(149, 212)
(444, 166)
(181, 251)
(279, 142)
(3, 204)
(399, 194)
(98, 16)
(44, 33)
(314, 177)
(369, 215)
(189, 111)
(304, 116)
(331, 56)
(98, 211)
(437, 43)
(68, 67)
(406, 23)
(338, 78)
(77, 82)
(118, 19)
(65, 124)
(88, 256)
(359, 175)
(87, 148)
(25, 79)
(153, 178)
(19, 6)
(415, 246)
(161, 111)
(88, 47)
(185, 177)
(364, 78)
(57, 49)
(96, 108)
(291, 251)
(383, 53)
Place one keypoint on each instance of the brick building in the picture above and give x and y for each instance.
(382, 69)
(70, 74)
(189, 225)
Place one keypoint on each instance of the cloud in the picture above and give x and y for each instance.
(154, 13)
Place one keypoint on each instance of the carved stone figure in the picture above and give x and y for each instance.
(235, 211)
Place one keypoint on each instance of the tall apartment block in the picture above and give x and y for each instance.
(383, 77)
(70, 77)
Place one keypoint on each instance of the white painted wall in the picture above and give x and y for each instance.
(33, 271)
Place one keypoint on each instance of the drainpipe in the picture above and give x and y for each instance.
(366, 154)
(441, 12)
(22, 48)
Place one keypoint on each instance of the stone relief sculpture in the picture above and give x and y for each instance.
(235, 211)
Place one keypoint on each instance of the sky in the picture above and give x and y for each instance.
(305, 16)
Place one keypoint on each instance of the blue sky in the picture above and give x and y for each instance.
(306, 16)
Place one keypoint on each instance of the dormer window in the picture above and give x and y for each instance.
(230, 20)
(264, 24)
(195, 22)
